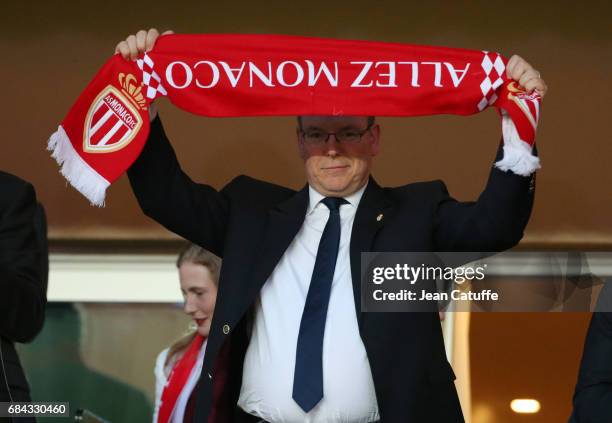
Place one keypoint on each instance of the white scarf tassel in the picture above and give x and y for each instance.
(76, 171)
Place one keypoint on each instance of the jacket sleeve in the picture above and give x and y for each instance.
(166, 194)
(22, 262)
(495, 222)
(593, 396)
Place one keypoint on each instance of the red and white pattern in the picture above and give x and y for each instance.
(530, 105)
(150, 78)
(451, 81)
(494, 68)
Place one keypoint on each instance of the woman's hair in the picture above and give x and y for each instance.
(196, 255)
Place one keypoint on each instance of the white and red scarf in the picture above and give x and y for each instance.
(263, 75)
(177, 380)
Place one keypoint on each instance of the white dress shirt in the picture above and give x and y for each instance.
(269, 364)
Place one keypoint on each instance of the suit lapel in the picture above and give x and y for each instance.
(284, 222)
(372, 211)
(286, 219)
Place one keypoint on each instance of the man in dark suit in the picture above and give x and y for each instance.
(23, 279)
(287, 310)
(593, 395)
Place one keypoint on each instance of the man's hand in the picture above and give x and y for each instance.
(136, 44)
(527, 77)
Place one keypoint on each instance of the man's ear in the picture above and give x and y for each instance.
(300, 144)
(375, 134)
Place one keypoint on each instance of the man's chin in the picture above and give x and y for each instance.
(335, 187)
(336, 190)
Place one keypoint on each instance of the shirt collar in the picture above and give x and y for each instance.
(314, 197)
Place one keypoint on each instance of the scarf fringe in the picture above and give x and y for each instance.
(76, 171)
(518, 157)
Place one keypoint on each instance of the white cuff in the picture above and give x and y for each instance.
(518, 156)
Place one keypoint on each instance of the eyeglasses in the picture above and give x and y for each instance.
(345, 136)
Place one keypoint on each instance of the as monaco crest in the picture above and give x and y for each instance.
(113, 119)
(528, 103)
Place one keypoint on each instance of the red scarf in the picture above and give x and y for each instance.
(257, 75)
(178, 379)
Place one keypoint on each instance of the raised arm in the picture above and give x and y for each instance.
(165, 193)
(495, 221)
(22, 261)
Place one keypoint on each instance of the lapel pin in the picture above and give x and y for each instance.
(379, 217)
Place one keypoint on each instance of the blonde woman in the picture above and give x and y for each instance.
(178, 367)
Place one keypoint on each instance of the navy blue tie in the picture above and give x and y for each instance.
(308, 376)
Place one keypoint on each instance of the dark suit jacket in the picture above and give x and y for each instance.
(250, 224)
(23, 277)
(593, 396)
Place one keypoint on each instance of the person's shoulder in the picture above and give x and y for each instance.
(604, 320)
(161, 377)
(8, 181)
(246, 182)
(160, 365)
(424, 188)
(250, 189)
(15, 190)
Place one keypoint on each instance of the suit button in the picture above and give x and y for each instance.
(209, 376)
(226, 329)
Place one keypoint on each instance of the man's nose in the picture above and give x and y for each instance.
(332, 146)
